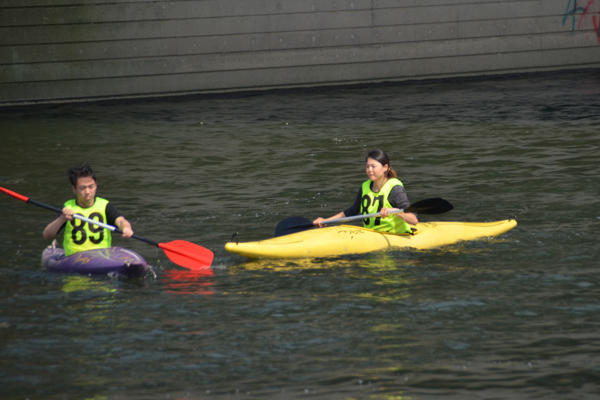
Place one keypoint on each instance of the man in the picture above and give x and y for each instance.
(80, 235)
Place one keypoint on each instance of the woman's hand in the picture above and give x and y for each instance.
(319, 222)
(385, 211)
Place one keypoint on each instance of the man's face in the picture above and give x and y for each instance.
(85, 191)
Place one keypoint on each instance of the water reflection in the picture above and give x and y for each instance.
(93, 300)
(83, 283)
(189, 282)
(306, 264)
(511, 317)
(392, 272)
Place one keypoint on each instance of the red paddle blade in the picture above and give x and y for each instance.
(188, 255)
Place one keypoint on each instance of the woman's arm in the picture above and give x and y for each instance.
(410, 218)
(349, 212)
(399, 199)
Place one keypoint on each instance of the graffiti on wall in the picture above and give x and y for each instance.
(583, 16)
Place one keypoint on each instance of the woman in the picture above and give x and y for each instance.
(382, 193)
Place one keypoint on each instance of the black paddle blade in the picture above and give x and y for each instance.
(430, 206)
(292, 225)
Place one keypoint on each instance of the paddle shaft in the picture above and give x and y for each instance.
(185, 254)
(81, 217)
(357, 217)
(91, 221)
(428, 206)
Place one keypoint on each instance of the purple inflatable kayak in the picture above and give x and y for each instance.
(112, 260)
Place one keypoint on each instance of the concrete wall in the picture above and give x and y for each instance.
(76, 50)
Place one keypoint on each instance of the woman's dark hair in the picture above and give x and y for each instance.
(80, 171)
(382, 157)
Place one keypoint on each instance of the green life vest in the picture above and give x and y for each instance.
(372, 203)
(80, 235)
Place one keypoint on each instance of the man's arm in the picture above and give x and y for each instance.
(125, 226)
(114, 217)
(53, 227)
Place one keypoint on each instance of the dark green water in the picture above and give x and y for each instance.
(515, 317)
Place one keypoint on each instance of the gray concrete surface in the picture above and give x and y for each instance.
(67, 50)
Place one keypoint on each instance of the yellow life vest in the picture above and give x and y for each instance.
(372, 202)
(80, 235)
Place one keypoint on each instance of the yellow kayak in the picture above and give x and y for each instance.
(345, 239)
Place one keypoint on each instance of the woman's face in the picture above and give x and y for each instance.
(375, 170)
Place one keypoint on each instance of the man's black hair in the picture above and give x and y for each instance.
(80, 171)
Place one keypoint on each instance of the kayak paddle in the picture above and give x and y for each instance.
(428, 206)
(182, 253)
